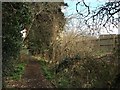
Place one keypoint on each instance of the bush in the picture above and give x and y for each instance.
(15, 15)
(89, 72)
(18, 71)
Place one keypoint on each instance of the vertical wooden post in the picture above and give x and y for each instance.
(118, 43)
(118, 52)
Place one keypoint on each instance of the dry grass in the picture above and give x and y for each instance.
(71, 44)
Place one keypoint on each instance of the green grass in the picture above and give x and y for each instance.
(18, 71)
(46, 71)
(61, 81)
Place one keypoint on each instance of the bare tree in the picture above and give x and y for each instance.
(107, 14)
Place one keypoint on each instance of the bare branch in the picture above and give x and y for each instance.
(102, 15)
(88, 9)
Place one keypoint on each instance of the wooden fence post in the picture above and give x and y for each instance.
(118, 52)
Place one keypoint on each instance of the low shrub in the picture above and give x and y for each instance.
(18, 71)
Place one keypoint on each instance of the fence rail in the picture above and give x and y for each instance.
(107, 42)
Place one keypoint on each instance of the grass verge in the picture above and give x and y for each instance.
(46, 71)
(18, 71)
(58, 80)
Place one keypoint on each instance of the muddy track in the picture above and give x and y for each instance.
(32, 77)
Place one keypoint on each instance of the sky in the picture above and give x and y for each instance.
(93, 4)
(72, 5)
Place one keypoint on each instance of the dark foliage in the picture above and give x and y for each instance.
(14, 17)
(48, 22)
(66, 62)
(116, 83)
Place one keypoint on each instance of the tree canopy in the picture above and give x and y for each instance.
(14, 17)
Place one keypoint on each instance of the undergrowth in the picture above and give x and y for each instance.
(58, 80)
(46, 71)
(88, 73)
(18, 71)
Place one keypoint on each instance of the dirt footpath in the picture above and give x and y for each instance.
(32, 77)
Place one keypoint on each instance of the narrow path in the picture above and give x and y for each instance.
(32, 77)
